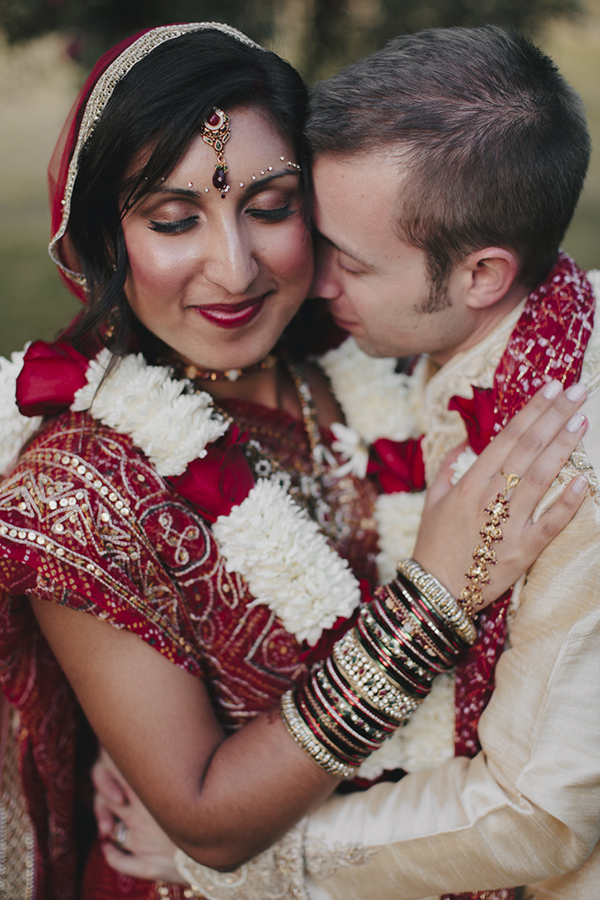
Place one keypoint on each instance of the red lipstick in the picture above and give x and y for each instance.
(231, 315)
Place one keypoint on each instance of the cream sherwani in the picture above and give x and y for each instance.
(526, 809)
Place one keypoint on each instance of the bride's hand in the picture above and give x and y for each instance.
(134, 844)
(534, 445)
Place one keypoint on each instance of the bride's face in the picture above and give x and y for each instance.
(218, 279)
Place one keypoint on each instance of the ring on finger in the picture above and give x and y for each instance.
(512, 480)
(120, 834)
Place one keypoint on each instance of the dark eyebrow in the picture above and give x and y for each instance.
(346, 251)
(181, 192)
(251, 187)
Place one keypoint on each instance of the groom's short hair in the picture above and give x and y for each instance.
(492, 141)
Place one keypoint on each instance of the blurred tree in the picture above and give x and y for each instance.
(95, 25)
(341, 31)
(318, 36)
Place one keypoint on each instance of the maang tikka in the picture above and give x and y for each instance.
(216, 133)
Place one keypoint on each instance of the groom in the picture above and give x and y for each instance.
(446, 170)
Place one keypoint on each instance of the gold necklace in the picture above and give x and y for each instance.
(309, 414)
(194, 373)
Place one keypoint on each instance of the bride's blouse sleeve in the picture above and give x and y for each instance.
(85, 521)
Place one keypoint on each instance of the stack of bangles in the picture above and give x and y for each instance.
(378, 672)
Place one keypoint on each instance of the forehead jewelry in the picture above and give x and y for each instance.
(215, 132)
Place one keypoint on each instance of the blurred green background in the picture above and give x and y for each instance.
(47, 46)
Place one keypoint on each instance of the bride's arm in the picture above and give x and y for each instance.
(224, 799)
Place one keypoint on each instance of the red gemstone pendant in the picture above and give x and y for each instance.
(220, 177)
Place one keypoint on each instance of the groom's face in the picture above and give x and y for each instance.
(378, 287)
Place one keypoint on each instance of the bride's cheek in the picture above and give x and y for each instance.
(297, 253)
(158, 269)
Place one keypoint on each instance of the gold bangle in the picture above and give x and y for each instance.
(370, 681)
(308, 742)
(440, 598)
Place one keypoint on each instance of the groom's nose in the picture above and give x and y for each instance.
(325, 283)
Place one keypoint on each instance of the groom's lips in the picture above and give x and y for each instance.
(345, 324)
(232, 315)
(340, 320)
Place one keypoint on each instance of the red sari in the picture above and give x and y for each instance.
(85, 521)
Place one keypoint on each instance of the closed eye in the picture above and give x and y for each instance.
(272, 215)
(346, 268)
(174, 227)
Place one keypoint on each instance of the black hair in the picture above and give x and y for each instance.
(164, 100)
(494, 140)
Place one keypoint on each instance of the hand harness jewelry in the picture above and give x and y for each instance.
(471, 596)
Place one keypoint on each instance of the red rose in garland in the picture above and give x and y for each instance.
(50, 378)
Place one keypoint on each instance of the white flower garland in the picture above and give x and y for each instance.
(378, 402)
(372, 395)
(268, 539)
(145, 402)
(398, 517)
(286, 560)
(15, 429)
(462, 464)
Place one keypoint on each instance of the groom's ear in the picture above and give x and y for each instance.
(487, 276)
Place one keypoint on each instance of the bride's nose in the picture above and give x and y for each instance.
(230, 260)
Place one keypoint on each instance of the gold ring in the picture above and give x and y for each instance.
(512, 480)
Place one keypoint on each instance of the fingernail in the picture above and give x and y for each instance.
(552, 389)
(580, 485)
(575, 423)
(576, 391)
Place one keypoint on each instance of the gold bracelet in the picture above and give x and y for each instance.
(308, 742)
(440, 598)
(370, 681)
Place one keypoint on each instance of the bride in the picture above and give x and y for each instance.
(177, 479)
